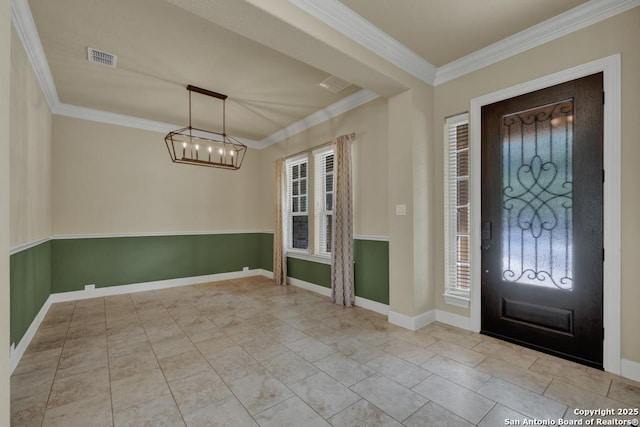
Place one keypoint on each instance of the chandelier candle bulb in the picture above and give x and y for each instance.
(184, 147)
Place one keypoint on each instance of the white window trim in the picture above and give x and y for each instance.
(452, 295)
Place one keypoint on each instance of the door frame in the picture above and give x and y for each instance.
(611, 68)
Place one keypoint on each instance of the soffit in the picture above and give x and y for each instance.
(161, 48)
(442, 31)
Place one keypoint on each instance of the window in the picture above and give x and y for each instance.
(297, 196)
(323, 165)
(313, 170)
(458, 269)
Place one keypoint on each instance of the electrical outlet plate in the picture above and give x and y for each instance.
(401, 209)
(89, 287)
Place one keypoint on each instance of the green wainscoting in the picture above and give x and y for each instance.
(125, 260)
(266, 251)
(30, 286)
(371, 270)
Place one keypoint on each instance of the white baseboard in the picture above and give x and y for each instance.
(412, 323)
(309, 286)
(360, 302)
(630, 369)
(453, 319)
(19, 350)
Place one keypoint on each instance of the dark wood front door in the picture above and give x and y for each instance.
(542, 225)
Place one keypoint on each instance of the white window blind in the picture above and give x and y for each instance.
(457, 214)
(297, 201)
(323, 190)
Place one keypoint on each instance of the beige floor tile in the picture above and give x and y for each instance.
(572, 373)
(457, 336)
(130, 391)
(82, 345)
(215, 347)
(93, 411)
(86, 330)
(577, 397)
(183, 365)
(412, 353)
(457, 353)
(530, 380)
(457, 399)
(29, 411)
(398, 370)
(397, 401)
(38, 360)
(79, 386)
(521, 400)
(132, 364)
(197, 391)
(236, 364)
(227, 412)
(358, 350)
(288, 367)
(505, 352)
(324, 394)
(471, 378)
(259, 391)
(290, 413)
(161, 412)
(264, 348)
(498, 415)
(75, 363)
(625, 392)
(363, 414)
(32, 382)
(434, 415)
(172, 346)
(311, 349)
(344, 369)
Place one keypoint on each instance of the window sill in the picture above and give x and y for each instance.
(457, 300)
(322, 259)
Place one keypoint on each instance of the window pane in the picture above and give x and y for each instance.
(300, 232)
(329, 233)
(463, 248)
(464, 276)
(328, 202)
(462, 136)
(463, 220)
(295, 207)
(295, 188)
(329, 183)
(303, 186)
(294, 174)
(463, 163)
(303, 170)
(303, 203)
(463, 192)
(329, 163)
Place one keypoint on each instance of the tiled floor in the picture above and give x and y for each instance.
(245, 352)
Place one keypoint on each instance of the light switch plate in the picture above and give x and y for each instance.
(401, 209)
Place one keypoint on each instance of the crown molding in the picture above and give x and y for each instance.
(553, 28)
(28, 34)
(346, 21)
(328, 113)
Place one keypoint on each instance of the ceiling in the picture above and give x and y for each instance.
(222, 46)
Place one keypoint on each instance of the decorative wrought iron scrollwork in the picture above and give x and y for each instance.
(537, 196)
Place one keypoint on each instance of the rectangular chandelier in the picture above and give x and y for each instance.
(202, 147)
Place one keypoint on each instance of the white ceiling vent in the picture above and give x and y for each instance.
(334, 84)
(103, 58)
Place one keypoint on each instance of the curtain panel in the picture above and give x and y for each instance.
(279, 257)
(342, 281)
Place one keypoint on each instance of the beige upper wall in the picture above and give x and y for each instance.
(5, 125)
(30, 152)
(619, 34)
(369, 151)
(110, 179)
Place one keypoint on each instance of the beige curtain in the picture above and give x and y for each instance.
(342, 283)
(279, 258)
